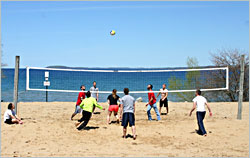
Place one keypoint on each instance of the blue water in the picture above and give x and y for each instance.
(71, 80)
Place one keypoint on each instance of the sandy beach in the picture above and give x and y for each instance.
(48, 132)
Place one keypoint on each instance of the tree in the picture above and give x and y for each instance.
(191, 81)
(230, 58)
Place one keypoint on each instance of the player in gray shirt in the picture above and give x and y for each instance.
(94, 91)
(127, 111)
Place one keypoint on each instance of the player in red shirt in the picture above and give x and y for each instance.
(81, 96)
(152, 103)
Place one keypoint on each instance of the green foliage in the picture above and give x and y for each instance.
(191, 81)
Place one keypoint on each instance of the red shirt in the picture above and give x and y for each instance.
(150, 95)
(81, 94)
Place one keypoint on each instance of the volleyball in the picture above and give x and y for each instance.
(112, 32)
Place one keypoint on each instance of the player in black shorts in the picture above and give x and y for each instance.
(164, 99)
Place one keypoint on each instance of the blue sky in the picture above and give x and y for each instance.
(149, 34)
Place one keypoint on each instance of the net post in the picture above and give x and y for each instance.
(227, 78)
(16, 78)
(240, 97)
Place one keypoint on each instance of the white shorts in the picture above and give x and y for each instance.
(78, 109)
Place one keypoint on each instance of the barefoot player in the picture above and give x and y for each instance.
(113, 106)
(164, 97)
(127, 112)
(199, 104)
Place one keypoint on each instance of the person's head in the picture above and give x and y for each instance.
(88, 94)
(114, 93)
(198, 92)
(82, 87)
(126, 90)
(164, 85)
(150, 86)
(94, 83)
(11, 106)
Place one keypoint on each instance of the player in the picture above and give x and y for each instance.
(94, 91)
(164, 97)
(81, 96)
(113, 106)
(127, 113)
(87, 106)
(152, 104)
(199, 103)
(10, 116)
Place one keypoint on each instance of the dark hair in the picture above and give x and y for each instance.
(151, 86)
(10, 106)
(88, 94)
(164, 84)
(198, 92)
(81, 86)
(94, 82)
(126, 90)
(114, 93)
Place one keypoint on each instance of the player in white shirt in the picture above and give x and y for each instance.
(164, 97)
(199, 103)
(10, 116)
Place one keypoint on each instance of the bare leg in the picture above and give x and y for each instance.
(124, 132)
(14, 121)
(117, 117)
(160, 110)
(108, 117)
(77, 123)
(73, 115)
(167, 109)
(133, 131)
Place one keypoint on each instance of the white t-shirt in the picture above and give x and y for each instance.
(8, 113)
(163, 92)
(200, 103)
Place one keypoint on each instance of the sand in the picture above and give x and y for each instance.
(48, 131)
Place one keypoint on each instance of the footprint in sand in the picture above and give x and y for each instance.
(28, 141)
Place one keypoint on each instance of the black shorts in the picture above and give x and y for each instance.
(165, 102)
(128, 117)
(8, 121)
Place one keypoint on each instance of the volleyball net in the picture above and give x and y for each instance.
(177, 80)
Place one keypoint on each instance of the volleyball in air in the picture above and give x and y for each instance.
(112, 32)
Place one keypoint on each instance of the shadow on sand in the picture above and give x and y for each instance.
(90, 127)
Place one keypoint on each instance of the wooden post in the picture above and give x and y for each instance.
(16, 82)
(240, 98)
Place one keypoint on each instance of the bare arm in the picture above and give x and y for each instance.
(134, 107)
(97, 96)
(150, 100)
(158, 94)
(121, 111)
(193, 108)
(165, 96)
(209, 109)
